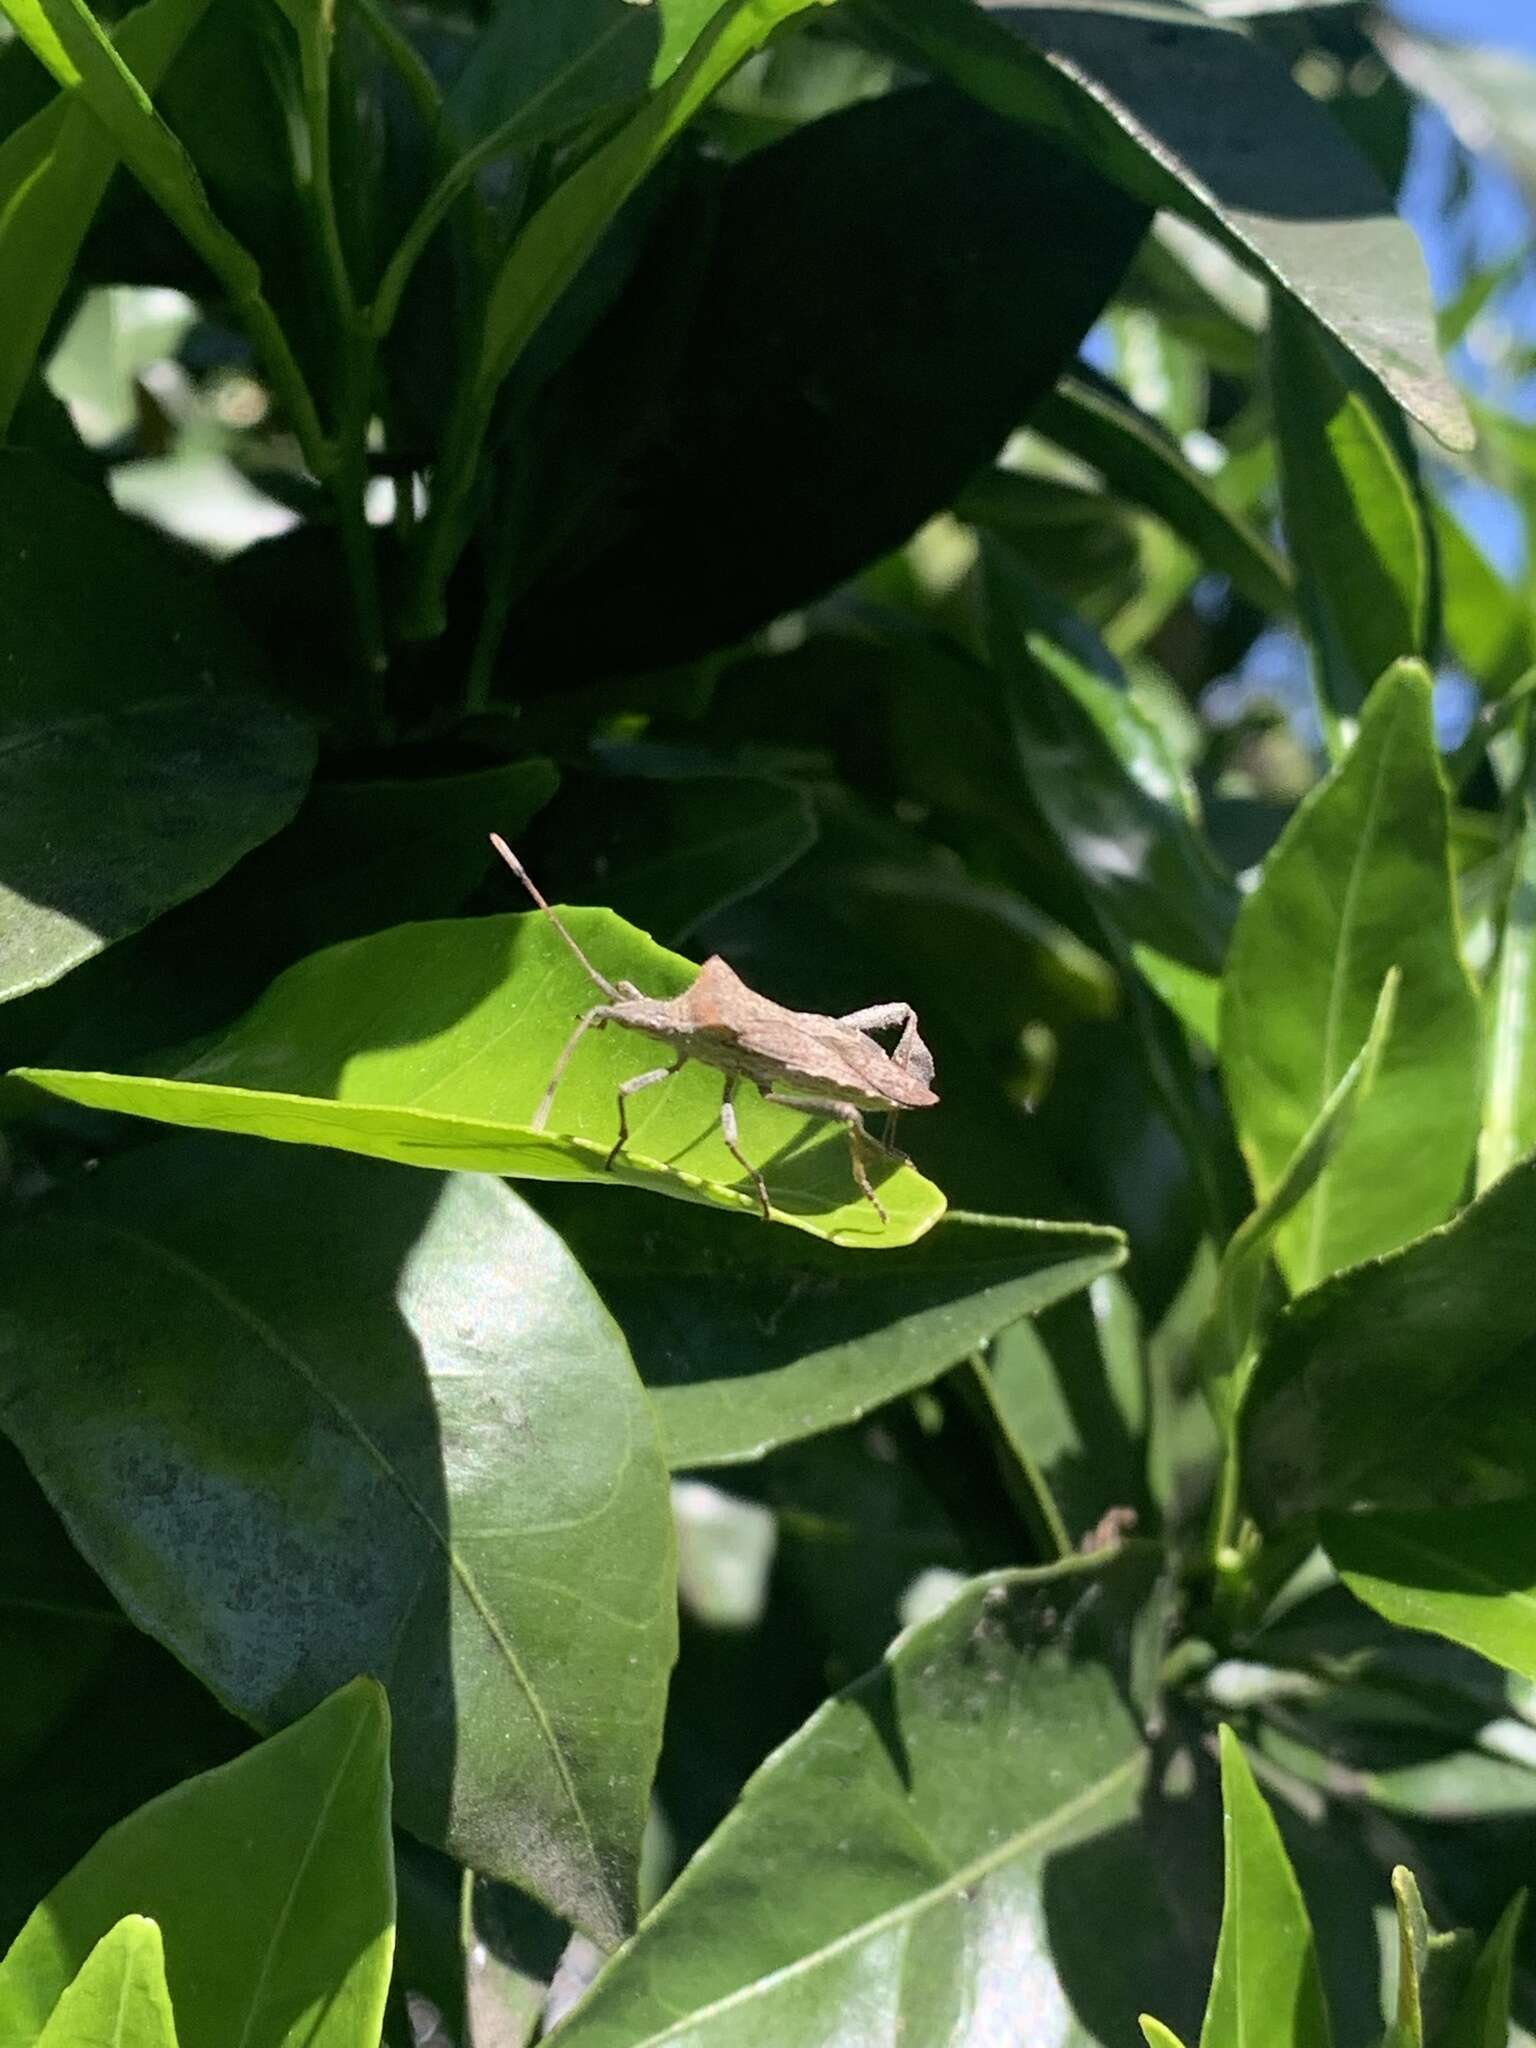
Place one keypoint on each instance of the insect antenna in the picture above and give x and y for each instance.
(524, 877)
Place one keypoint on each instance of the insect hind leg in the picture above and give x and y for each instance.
(858, 1136)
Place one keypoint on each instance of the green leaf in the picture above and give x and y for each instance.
(1384, 1387)
(1509, 1096)
(431, 1045)
(1245, 1262)
(1355, 518)
(271, 1882)
(750, 1340)
(53, 172)
(1156, 2034)
(1481, 2019)
(1359, 884)
(1431, 1967)
(894, 1859)
(1103, 776)
(119, 1999)
(1189, 114)
(1141, 462)
(562, 234)
(1193, 997)
(66, 37)
(1466, 1573)
(388, 1426)
(1489, 626)
(1266, 1991)
(137, 761)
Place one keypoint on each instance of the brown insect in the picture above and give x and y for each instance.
(821, 1066)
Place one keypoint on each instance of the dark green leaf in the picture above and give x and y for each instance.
(1189, 114)
(749, 1340)
(1359, 885)
(271, 1882)
(949, 1792)
(980, 255)
(1481, 2020)
(1355, 517)
(139, 760)
(1102, 774)
(1489, 627)
(431, 1045)
(1467, 1573)
(1382, 1387)
(1509, 1095)
(385, 1425)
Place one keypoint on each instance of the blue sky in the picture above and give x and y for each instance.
(1511, 22)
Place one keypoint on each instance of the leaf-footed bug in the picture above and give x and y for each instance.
(821, 1066)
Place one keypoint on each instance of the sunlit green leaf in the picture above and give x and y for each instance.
(394, 1431)
(270, 1879)
(119, 1999)
(432, 1045)
(1359, 885)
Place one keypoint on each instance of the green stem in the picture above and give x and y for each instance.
(1501, 1140)
(403, 54)
(439, 538)
(281, 365)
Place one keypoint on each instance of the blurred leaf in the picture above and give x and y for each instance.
(1481, 2019)
(139, 760)
(1430, 1969)
(1266, 1988)
(1157, 2035)
(1359, 885)
(67, 38)
(394, 1431)
(1509, 1095)
(271, 1882)
(119, 1999)
(53, 172)
(1194, 998)
(1190, 115)
(979, 253)
(1466, 1573)
(1355, 518)
(1485, 92)
(1141, 462)
(1101, 774)
(951, 1790)
(552, 247)
(747, 1340)
(1489, 627)
(1383, 1386)
(431, 1045)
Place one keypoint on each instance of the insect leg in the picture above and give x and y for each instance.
(594, 1020)
(633, 1087)
(732, 1138)
(845, 1114)
(910, 1053)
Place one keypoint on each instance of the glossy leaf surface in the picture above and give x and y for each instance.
(1467, 1573)
(1358, 885)
(1189, 114)
(1400, 1383)
(895, 1858)
(394, 1431)
(432, 1044)
(271, 1882)
(750, 1340)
